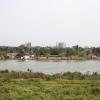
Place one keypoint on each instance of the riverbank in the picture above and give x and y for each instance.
(23, 86)
(60, 58)
(50, 57)
(66, 58)
(37, 89)
(65, 75)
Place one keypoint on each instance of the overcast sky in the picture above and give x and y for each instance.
(45, 22)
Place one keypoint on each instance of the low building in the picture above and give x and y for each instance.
(28, 57)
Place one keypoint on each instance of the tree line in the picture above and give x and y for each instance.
(50, 51)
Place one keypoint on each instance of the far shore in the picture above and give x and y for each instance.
(55, 58)
(63, 58)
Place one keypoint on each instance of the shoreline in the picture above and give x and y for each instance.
(63, 58)
(55, 59)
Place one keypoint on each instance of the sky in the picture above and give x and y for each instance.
(45, 22)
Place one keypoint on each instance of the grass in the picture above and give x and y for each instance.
(40, 89)
(39, 86)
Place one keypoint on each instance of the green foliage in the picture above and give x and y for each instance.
(40, 89)
(49, 51)
(82, 54)
(39, 86)
(67, 75)
(62, 54)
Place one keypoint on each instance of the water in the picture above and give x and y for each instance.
(51, 67)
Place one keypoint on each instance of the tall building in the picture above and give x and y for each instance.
(28, 45)
(61, 45)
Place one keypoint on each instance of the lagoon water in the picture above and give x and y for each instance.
(51, 67)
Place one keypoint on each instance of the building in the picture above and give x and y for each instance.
(61, 45)
(28, 45)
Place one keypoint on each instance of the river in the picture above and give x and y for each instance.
(51, 67)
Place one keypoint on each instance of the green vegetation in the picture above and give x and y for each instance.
(38, 86)
(49, 51)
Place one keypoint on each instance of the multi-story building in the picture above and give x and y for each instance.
(28, 45)
(61, 45)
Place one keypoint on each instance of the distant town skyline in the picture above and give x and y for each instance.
(46, 22)
(57, 44)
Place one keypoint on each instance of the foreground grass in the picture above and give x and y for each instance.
(39, 86)
(41, 89)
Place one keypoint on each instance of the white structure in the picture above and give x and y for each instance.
(28, 45)
(26, 57)
(61, 45)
